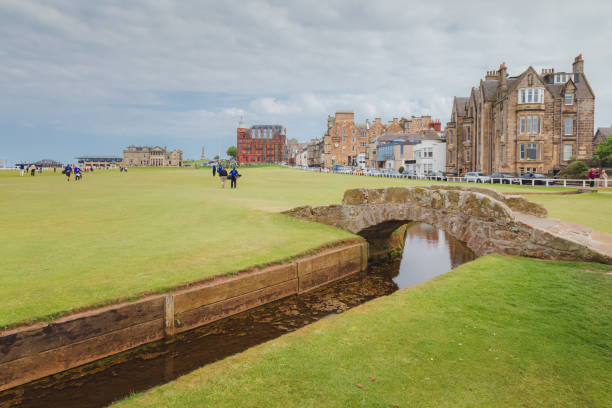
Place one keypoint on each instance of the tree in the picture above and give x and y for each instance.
(604, 153)
(401, 169)
(216, 157)
(576, 169)
(231, 152)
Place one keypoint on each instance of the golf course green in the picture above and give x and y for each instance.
(114, 236)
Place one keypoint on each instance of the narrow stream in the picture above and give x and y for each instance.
(428, 252)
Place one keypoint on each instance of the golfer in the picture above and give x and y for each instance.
(67, 172)
(222, 176)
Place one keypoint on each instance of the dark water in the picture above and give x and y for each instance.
(428, 252)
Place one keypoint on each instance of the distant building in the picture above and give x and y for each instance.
(152, 156)
(601, 136)
(203, 157)
(430, 153)
(354, 144)
(99, 161)
(261, 144)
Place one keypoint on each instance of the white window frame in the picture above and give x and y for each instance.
(531, 146)
(571, 99)
(523, 124)
(566, 131)
(522, 151)
(536, 124)
(530, 95)
(566, 156)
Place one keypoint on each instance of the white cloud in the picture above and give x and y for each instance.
(114, 68)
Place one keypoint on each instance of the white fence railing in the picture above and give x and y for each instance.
(528, 181)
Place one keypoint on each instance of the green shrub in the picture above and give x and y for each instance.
(576, 169)
(401, 169)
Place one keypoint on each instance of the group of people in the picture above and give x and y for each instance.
(223, 175)
(598, 174)
(78, 173)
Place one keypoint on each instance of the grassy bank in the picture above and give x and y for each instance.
(500, 331)
(71, 245)
(591, 209)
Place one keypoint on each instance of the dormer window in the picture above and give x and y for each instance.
(563, 78)
(531, 95)
(569, 98)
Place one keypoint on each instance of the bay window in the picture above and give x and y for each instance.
(530, 124)
(530, 95)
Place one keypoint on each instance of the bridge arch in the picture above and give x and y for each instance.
(485, 220)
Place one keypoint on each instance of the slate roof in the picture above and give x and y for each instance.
(461, 102)
(602, 135)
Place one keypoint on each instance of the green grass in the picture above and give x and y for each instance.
(591, 209)
(496, 332)
(67, 246)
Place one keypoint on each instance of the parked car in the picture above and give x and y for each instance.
(502, 178)
(437, 175)
(536, 179)
(477, 177)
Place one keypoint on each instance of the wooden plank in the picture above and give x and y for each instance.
(327, 259)
(169, 316)
(22, 342)
(49, 362)
(228, 307)
(231, 287)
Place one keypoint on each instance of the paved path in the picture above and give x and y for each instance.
(597, 241)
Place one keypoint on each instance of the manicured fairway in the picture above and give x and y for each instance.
(591, 209)
(496, 332)
(71, 245)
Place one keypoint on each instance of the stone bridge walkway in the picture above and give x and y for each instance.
(598, 241)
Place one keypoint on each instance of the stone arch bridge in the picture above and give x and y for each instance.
(485, 220)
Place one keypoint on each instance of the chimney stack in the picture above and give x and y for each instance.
(503, 82)
(491, 75)
(578, 65)
(546, 71)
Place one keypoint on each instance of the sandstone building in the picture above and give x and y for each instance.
(350, 144)
(261, 144)
(152, 156)
(526, 123)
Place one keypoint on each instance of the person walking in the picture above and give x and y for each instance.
(604, 178)
(21, 169)
(77, 173)
(67, 172)
(222, 176)
(32, 169)
(233, 177)
(214, 170)
(592, 177)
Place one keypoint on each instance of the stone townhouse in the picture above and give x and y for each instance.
(344, 140)
(350, 144)
(526, 123)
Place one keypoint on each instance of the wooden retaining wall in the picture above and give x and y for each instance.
(29, 353)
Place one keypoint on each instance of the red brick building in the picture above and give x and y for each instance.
(261, 144)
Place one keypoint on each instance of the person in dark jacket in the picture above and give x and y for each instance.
(233, 177)
(222, 176)
(214, 170)
(67, 172)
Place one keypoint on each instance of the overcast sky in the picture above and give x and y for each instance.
(91, 77)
